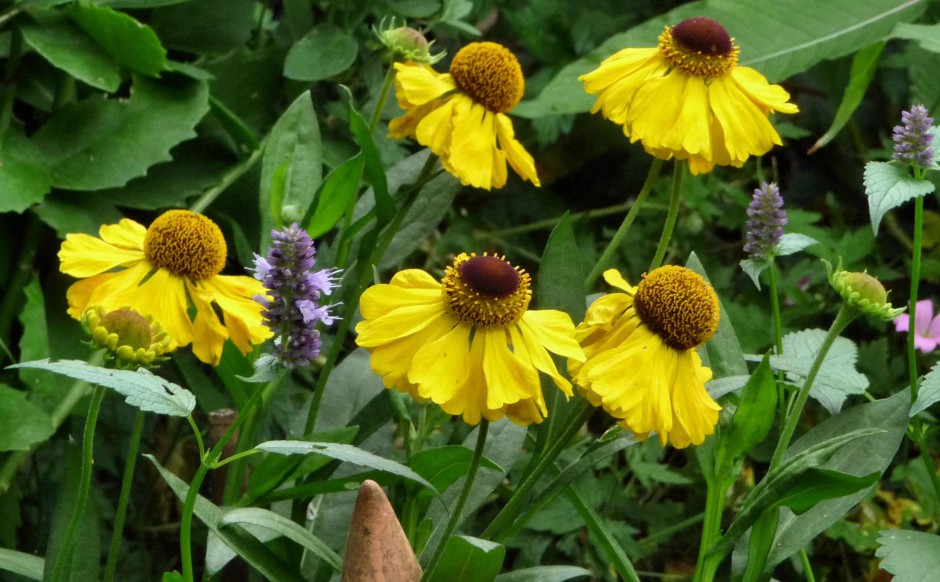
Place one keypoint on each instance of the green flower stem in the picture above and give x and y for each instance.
(228, 178)
(383, 96)
(614, 245)
(198, 435)
(673, 214)
(715, 496)
(64, 558)
(920, 438)
(507, 515)
(209, 460)
(807, 566)
(457, 510)
(845, 316)
(121, 512)
(778, 336)
(912, 304)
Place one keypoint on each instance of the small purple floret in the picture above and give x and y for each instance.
(913, 139)
(765, 222)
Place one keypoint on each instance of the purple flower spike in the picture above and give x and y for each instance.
(294, 309)
(913, 139)
(765, 222)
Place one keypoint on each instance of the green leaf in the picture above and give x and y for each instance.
(754, 416)
(912, 556)
(141, 388)
(753, 268)
(343, 452)
(24, 178)
(815, 31)
(718, 388)
(888, 186)
(442, 466)
(375, 171)
(248, 547)
(85, 561)
(544, 574)
(928, 393)
(68, 48)
(468, 559)
(206, 26)
(791, 243)
(127, 41)
(21, 563)
(294, 140)
(860, 457)
(22, 423)
(99, 143)
(819, 484)
(723, 351)
(600, 532)
(336, 195)
(282, 526)
(837, 377)
(864, 64)
(34, 343)
(926, 35)
(324, 52)
(424, 215)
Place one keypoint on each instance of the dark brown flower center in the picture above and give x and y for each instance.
(486, 291)
(699, 47)
(703, 35)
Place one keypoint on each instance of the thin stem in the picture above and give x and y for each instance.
(778, 336)
(461, 499)
(507, 515)
(707, 565)
(229, 178)
(920, 439)
(845, 316)
(671, 216)
(807, 566)
(198, 435)
(592, 520)
(84, 484)
(121, 513)
(383, 97)
(606, 257)
(912, 304)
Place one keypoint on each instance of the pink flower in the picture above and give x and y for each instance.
(926, 326)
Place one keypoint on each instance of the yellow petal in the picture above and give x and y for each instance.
(768, 97)
(508, 379)
(209, 334)
(470, 400)
(420, 84)
(126, 234)
(84, 255)
(441, 368)
(391, 361)
(615, 279)
(98, 290)
(473, 152)
(235, 295)
(747, 129)
(415, 278)
(379, 300)
(398, 323)
(407, 124)
(517, 156)
(530, 350)
(435, 130)
(554, 330)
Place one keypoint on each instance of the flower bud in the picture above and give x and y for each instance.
(863, 292)
(130, 339)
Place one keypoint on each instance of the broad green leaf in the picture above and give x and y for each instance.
(375, 171)
(860, 457)
(34, 343)
(718, 388)
(544, 574)
(722, 353)
(74, 212)
(24, 178)
(778, 39)
(283, 526)
(206, 26)
(68, 48)
(837, 378)
(442, 466)
(864, 64)
(424, 215)
(248, 547)
(129, 42)
(336, 195)
(343, 452)
(21, 563)
(467, 559)
(819, 484)
(792, 242)
(100, 143)
(140, 389)
(326, 51)
(414, 8)
(928, 392)
(753, 268)
(294, 140)
(22, 423)
(926, 35)
(888, 186)
(754, 416)
(912, 556)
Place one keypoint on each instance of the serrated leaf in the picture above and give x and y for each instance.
(753, 268)
(22, 423)
(21, 563)
(127, 41)
(68, 48)
(888, 186)
(928, 392)
(100, 143)
(326, 51)
(792, 242)
(837, 377)
(815, 31)
(544, 574)
(283, 526)
(864, 64)
(343, 452)
(140, 389)
(468, 559)
(912, 556)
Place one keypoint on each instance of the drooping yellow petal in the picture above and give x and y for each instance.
(84, 255)
(768, 97)
(420, 84)
(126, 234)
(440, 369)
(747, 129)
(98, 290)
(470, 400)
(528, 349)
(407, 124)
(508, 378)
(235, 294)
(435, 130)
(554, 330)
(473, 152)
(517, 156)
(392, 360)
(209, 334)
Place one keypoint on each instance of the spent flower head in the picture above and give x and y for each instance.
(765, 221)
(863, 292)
(913, 139)
(294, 309)
(129, 339)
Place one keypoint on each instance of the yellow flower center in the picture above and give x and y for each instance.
(490, 74)
(131, 328)
(678, 305)
(700, 47)
(486, 291)
(186, 244)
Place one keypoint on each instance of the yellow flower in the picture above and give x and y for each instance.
(467, 343)
(641, 365)
(165, 271)
(688, 99)
(129, 339)
(461, 115)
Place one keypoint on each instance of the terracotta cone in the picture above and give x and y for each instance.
(377, 549)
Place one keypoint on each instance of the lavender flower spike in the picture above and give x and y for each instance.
(294, 309)
(913, 139)
(765, 222)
